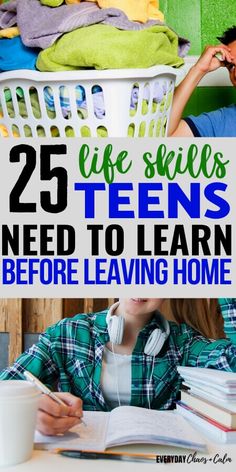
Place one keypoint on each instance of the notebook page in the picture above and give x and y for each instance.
(129, 425)
(92, 436)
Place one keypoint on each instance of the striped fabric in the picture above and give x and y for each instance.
(69, 355)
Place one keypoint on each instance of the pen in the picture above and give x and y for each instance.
(117, 456)
(38, 384)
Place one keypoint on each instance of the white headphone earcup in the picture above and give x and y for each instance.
(155, 342)
(116, 329)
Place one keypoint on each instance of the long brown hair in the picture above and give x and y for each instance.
(202, 314)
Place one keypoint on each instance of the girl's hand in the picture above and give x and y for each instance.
(53, 418)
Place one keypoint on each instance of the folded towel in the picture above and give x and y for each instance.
(113, 49)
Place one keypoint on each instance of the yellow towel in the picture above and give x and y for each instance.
(136, 10)
(10, 32)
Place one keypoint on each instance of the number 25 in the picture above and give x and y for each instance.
(46, 173)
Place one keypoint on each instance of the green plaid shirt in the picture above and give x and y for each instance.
(69, 354)
(228, 310)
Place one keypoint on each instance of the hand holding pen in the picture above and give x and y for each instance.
(57, 412)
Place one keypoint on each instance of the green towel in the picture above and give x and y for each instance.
(52, 3)
(106, 47)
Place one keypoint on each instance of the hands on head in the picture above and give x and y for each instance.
(208, 61)
(53, 418)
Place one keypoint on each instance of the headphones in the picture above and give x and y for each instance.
(155, 342)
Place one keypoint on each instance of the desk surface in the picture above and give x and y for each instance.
(49, 462)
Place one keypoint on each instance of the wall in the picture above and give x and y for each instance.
(22, 320)
(201, 21)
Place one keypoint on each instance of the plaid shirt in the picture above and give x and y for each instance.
(70, 353)
(228, 310)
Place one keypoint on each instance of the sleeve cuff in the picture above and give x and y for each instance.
(193, 127)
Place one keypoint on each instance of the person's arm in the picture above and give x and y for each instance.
(38, 360)
(203, 352)
(228, 310)
(206, 63)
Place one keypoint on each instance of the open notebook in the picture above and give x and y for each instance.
(126, 425)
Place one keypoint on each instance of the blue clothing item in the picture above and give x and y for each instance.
(98, 100)
(218, 124)
(15, 55)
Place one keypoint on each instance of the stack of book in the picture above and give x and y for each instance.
(208, 399)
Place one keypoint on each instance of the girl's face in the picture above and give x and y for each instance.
(140, 306)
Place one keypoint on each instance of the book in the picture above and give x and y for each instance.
(219, 412)
(211, 393)
(223, 381)
(208, 426)
(126, 425)
(209, 386)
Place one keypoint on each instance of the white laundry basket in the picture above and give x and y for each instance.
(135, 102)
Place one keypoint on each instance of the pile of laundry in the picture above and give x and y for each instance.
(58, 35)
(81, 106)
(51, 35)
